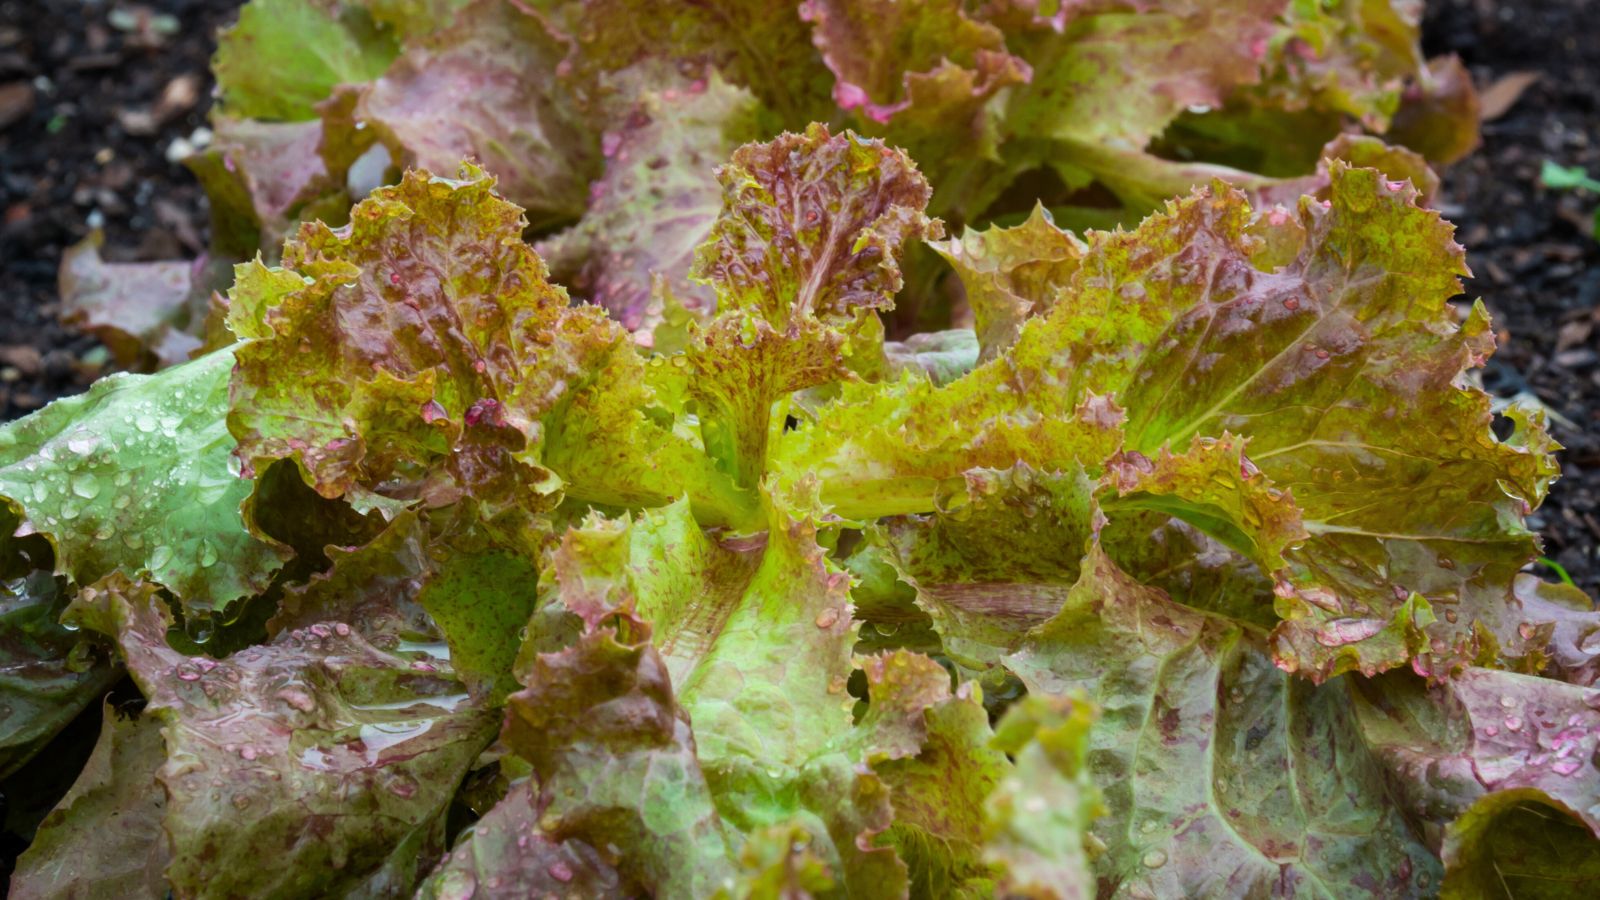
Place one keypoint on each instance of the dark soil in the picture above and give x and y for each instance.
(80, 79)
(92, 94)
(1536, 263)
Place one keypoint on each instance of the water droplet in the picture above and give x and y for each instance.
(1148, 826)
(85, 485)
(1155, 859)
(145, 422)
(160, 555)
(560, 871)
(1513, 723)
(133, 541)
(341, 629)
(247, 752)
(1508, 701)
(1339, 632)
(208, 554)
(122, 478)
(105, 532)
(827, 617)
(1566, 766)
(185, 673)
(240, 801)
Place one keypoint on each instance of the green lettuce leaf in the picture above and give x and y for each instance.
(262, 178)
(1038, 817)
(285, 56)
(1519, 843)
(50, 674)
(1220, 773)
(447, 588)
(936, 754)
(341, 757)
(137, 476)
(756, 632)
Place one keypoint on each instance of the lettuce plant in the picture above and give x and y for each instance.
(603, 119)
(1197, 570)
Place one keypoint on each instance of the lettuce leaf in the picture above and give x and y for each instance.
(104, 838)
(341, 756)
(285, 56)
(137, 476)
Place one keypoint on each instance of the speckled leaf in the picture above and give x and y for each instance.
(1483, 732)
(441, 587)
(137, 309)
(739, 368)
(622, 438)
(756, 44)
(341, 757)
(104, 839)
(897, 447)
(925, 76)
(1328, 63)
(616, 762)
(137, 476)
(932, 748)
(1214, 487)
(657, 199)
(1438, 115)
(1011, 274)
(285, 56)
(486, 88)
(419, 354)
(260, 176)
(1117, 72)
(732, 620)
(1220, 773)
(812, 225)
(503, 855)
(999, 560)
(481, 597)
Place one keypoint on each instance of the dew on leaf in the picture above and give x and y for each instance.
(1339, 632)
(85, 485)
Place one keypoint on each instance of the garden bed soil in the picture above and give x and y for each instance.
(93, 93)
